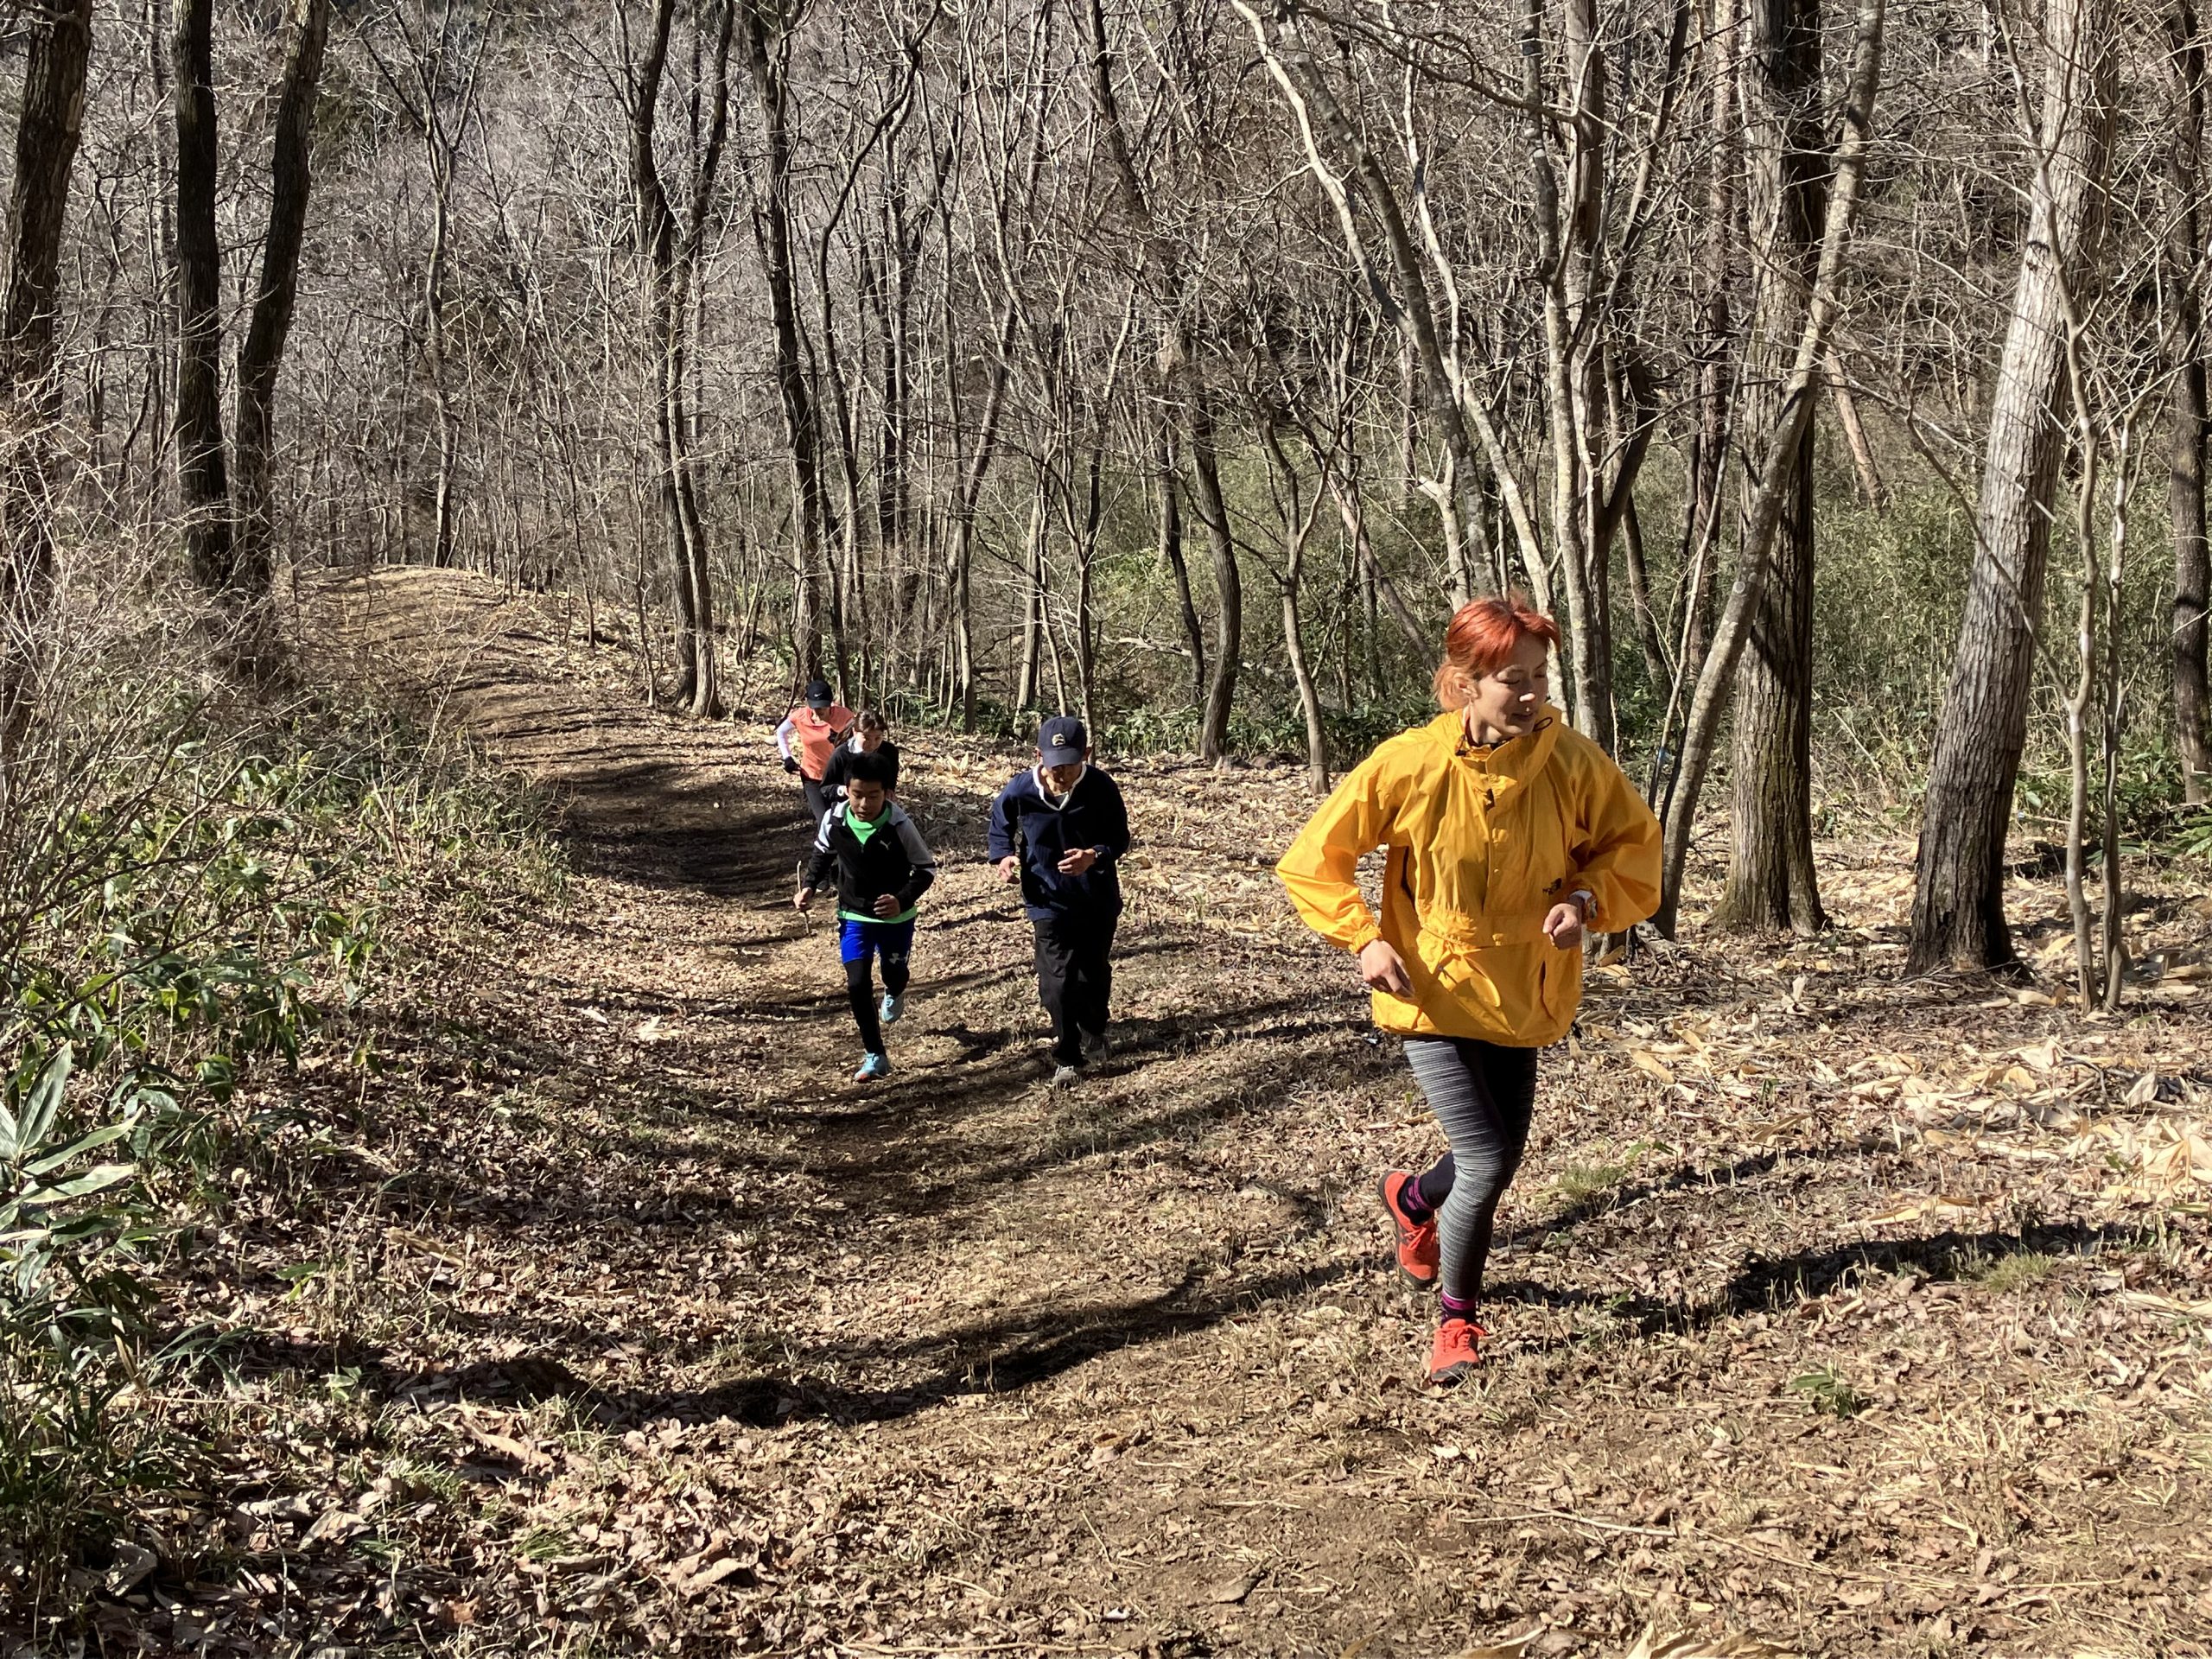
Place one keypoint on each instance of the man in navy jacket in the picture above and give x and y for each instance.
(1061, 830)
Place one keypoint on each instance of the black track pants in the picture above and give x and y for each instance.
(1074, 978)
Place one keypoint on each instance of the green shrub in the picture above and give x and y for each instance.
(201, 883)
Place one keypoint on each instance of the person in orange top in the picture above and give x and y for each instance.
(1508, 836)
(806, 739)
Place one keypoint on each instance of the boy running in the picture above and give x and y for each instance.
(806, 738)
(883, 867)
(1061, 830)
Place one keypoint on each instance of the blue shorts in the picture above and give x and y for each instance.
(861, 941)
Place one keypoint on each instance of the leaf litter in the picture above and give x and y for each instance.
(641, 1329)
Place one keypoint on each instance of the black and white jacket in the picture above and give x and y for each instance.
(890, 857)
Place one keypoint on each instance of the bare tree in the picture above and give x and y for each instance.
(46, 132)
(1958, 913)
(2190, 415)
(261, 358)
(1794, 411)
(1771, 879)
(766, 45)
(203, 474)
(671, 255)
(1185, 377)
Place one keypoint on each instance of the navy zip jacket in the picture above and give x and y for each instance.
(1026, 822)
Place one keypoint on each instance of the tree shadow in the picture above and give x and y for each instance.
(1773, 1282)
(1683, 1177)
(1007, 1355)
(1763, 1284)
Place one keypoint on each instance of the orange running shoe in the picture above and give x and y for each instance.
(1452, 1356)
(1417, 1253)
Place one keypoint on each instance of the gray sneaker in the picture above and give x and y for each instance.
(1096, 1047)
(891, 1008)
(1066, 1077)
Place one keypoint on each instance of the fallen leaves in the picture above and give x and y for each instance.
(1231, 1591)
(529, 1457)
(1943, 1207)
(2160, 1160)
(1652, 1646)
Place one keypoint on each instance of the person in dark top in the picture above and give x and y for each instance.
(871, 735)
(1061, 830)
(883, 867)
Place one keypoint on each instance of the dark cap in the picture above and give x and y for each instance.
(818, 694)
(1061, 740)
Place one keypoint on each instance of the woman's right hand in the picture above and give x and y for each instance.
(1383, 969)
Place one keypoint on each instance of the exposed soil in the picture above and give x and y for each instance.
(1861, 1317)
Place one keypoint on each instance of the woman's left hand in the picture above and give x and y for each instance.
(1564, 926)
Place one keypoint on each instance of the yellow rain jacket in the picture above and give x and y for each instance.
(1482, 844)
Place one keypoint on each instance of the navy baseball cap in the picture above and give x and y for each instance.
(1061, 740)
(818, 694)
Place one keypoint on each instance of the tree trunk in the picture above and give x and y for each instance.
(2189, 415)
(1779, 445)
(161, 259)
(696, 571)
(1871, 490)
(766, 60)
(261, 359)
(203, 478)
(1228, 582)
(1032, 601)
(444, 508)
(1567, 229)
(1710, 282)
(1168, 493)
(1771, 879)
(1957, 911)
(1187, 382)
(969, 488)
(1648, 639)
(1297, 530)
(664, 332)
(47, 134)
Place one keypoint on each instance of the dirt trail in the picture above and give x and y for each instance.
(749, 1358)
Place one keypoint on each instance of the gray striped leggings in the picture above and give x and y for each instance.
(1484, 1096)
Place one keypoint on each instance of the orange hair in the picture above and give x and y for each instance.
(1483, 635)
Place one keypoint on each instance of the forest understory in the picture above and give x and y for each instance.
(1850, 1315)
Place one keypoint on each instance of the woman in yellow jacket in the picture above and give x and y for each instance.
(1507, 835)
